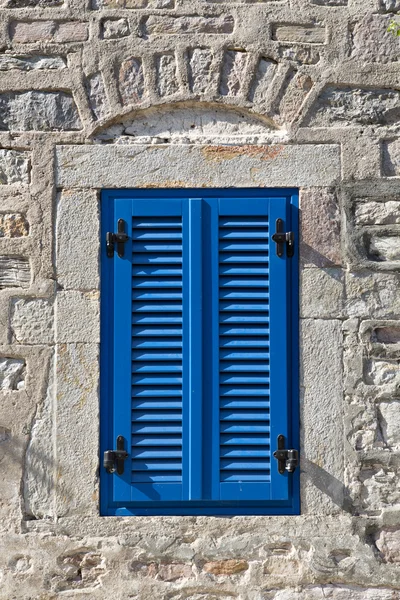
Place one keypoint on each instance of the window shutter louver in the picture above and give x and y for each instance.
(201, 364)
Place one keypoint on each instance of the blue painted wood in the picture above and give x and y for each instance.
(208, 323)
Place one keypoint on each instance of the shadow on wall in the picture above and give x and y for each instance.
(328, 485)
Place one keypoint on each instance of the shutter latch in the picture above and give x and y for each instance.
(119, 238)
(288, 460)
(281, 238)
(113, 460)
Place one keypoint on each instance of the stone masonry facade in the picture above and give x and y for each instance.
(202, 93)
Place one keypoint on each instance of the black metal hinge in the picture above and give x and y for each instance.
(119, 238)
(113, 460)
(288, 460)
(282, 238)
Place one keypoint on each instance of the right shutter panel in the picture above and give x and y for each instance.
(245, 461)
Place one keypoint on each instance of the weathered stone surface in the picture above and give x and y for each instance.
(13, 225)
(297, 91)
(384, 248)
(265, 72)
(388, 543)
(309, 34)
(379, 488)
(322, 293)
(200, 73)
(321, 364)
(78, 570)
(14, 167)
(115, 28)
(226, 567)
(15, 272)
(32, 321)
(391, 158)
(97, 96)
(372, 212)
(233, 69)
(78, 317)
(336, 592)
(167, 75)
(33, 3)
(389, 425)
(302, 55)
(373, 295)
(211, 166)
(155, 25)
(12, 373)
(41, 111)
(78, 240)
(382, 372)
(28, 32)
(131, 81)
(320, 228)
(162, 571)
(373, 43)
(347, 106)
(390, 5)
(20, 62)
(133, 4)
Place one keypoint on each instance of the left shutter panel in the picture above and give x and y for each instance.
(154, 467)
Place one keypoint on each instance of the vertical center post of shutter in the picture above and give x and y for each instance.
(193, 348)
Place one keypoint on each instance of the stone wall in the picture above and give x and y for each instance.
(302, 93)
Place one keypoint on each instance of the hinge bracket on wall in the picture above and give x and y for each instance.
(288, 460)
(281, 238)
(113, 460)
(119, 238)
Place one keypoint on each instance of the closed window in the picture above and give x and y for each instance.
(199, 352)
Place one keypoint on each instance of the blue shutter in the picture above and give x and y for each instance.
(200, 370)
(148, 394)
(253, 327)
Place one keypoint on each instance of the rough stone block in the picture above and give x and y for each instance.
(373, 43)
(388, 543)
(78, 240)
(97, 96)
(372, 295)
(346, 106)
(29, 32)
(379, 488)
(40, 111)
(382, 372)
(78, 317)
(320, 228)
(200, 74)
(322, 439)
(391, 158)
(233, 70)
(306, 34)
(383, 248)
(261, 85)
(389, 425)
(167, 75)
(15, 272)
(302, 55)
(322, 293)
(14, 167)
(131, 81)
(226, 567)
(115, 28)
(155, 25)
(9, 62)
(13, 225)
(372, 212)
(390, 5)
(297, 91)
(12, 374)
(32, 321)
